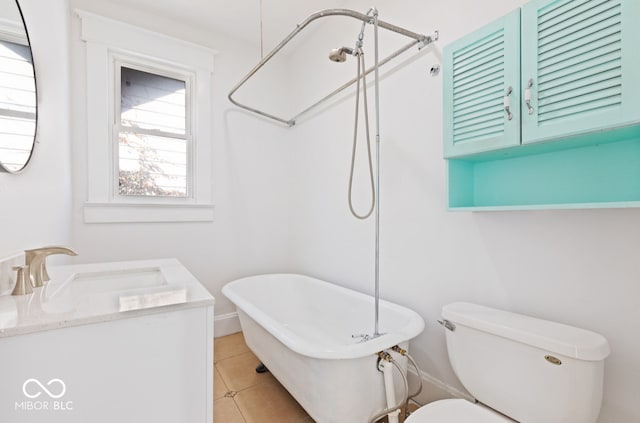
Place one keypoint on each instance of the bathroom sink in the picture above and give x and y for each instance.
(111, 287)
(117, 280)
(93, 283)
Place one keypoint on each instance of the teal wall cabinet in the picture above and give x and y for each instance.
(482, 89)
(542, 108)
(579, 73)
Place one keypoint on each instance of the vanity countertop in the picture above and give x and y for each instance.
(100, 292)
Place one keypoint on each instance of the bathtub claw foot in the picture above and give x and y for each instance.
(261, 368)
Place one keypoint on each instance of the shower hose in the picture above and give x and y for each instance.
(361, 77)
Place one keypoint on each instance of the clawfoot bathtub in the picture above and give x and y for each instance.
(307, 332)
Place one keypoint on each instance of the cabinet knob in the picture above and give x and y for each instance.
(507, 102)
(527, 96)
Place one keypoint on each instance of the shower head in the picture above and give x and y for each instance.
(339, 55)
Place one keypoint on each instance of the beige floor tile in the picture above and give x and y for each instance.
(269, 403)
(226, 411)
(413, 406)
(219, 387)
(229, 346)
(239, 372)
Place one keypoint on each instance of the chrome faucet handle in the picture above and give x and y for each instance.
(23, 284)
(35, 260)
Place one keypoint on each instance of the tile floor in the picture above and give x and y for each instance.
(243, 396)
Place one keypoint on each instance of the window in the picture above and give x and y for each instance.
(148, 117)
(153, 134)
(17, 103)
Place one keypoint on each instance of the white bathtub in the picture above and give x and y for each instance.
(301, 328)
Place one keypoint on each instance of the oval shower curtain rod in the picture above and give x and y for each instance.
(420, 40)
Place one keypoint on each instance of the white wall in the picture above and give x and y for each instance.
(280, 200)
(579, 267)
(35, 204)
(250, 174)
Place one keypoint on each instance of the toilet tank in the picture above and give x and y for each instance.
(532, 370)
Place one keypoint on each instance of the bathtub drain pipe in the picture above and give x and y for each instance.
(385, 365)
(389, 388)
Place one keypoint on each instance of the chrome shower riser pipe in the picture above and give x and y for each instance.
(376, 66)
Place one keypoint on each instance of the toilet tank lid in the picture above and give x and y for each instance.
(553, 337)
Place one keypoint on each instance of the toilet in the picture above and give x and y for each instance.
(519, 368)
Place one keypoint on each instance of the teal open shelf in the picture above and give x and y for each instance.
(602, 172)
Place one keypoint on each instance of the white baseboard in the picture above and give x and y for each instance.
(434, 389)
(226, 324)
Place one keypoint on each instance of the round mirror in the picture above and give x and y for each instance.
(18, 102)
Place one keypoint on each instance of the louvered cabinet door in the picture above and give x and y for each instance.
(481, 81)
(580, 67)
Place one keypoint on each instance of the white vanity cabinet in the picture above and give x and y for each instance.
(151, 364)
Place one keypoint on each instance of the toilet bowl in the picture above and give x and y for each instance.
(513, 363)
(456, 411)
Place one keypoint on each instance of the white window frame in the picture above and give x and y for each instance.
(110, 43)
(120, 61)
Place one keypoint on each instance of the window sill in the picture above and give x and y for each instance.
(146, 213)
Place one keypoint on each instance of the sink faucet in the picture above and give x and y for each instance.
(35, 261)
(23, 286)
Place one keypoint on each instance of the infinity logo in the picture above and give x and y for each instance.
(43, 388)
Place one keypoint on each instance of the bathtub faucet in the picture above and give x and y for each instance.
(362, 336)
(36, 264)
(365, 337)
